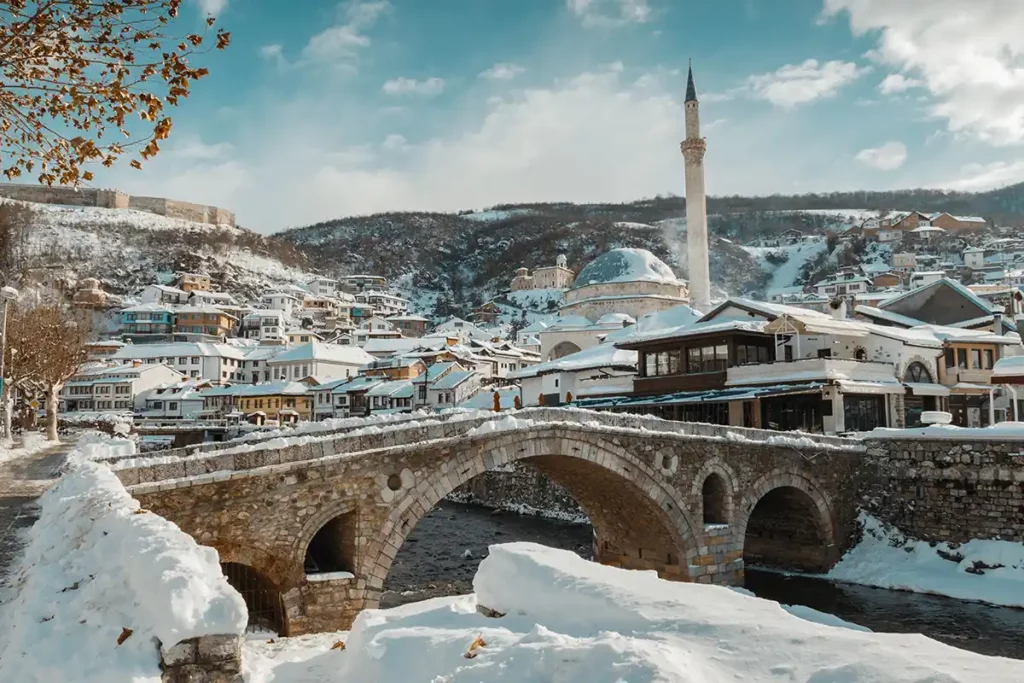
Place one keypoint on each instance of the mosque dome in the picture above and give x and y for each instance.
(626, 265)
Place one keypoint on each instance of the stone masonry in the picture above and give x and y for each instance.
(947, 490)
(640, 480)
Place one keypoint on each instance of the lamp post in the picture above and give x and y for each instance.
(7, 295)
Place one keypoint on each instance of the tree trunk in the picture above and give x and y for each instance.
(51, 412)
(6, 409)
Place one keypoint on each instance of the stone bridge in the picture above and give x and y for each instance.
(316, 520)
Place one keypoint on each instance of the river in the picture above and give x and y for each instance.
(441, 555)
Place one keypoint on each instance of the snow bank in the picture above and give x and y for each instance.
(573, 621)
(502, 424)
(31, 442)
(1000, 430)
(981, 570)
(96, 564)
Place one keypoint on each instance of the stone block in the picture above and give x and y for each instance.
(217, 649)
(181, 653)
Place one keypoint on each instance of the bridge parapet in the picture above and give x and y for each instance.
(242, 457)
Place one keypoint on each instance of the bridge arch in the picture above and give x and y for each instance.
(786, 521)
(639, 520)
(715, 485)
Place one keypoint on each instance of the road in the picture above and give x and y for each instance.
(22, 480)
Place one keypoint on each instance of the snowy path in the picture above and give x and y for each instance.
(22, 480)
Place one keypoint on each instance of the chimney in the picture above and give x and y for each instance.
(997, 318)
(838, 306)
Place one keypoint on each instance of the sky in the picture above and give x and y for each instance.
(323, 109)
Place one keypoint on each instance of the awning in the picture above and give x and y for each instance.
(966, 387)
(926, 389)
(851, 387)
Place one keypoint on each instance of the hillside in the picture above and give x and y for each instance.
(127, 250)
(449, 263)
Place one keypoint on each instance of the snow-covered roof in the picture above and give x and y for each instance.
(331, 353)
(616, 319)
(209, 310)
(889, 316)
(263, 352)
(484, 399)
(956, 285)
(1008, 367)
(928, 228)
(387, 345)
(600, 356)
(265, 389)
(167, 289)
(408, 318)
(401, 388)
(452, 379)
(148, 308)
(626, 265)
(177, 349)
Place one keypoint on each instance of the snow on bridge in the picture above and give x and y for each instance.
(690, 501)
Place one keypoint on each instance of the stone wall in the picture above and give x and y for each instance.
(520, 488)
(944, 490)
(115, 199)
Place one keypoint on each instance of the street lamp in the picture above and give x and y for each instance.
(7, 295)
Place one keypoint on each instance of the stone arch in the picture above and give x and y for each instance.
(562, 349)
(795, 525)
(715, 500)
(267, 562)
(317, 522)
(716, 466)
(261, 594)
(602, 478)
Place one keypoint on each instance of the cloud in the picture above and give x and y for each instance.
(888, 157)
(395, 142)
(980, 177)
(430, 87)
(796, 84)
(610, 13)
(214, 7)
(502, 72)
(273, 53)
(896, 83)
(966, 54)
(339, 44)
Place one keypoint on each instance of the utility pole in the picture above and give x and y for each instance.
(7, 294)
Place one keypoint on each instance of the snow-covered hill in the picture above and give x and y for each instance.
(127, 250)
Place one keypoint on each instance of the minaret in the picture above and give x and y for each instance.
(696, 207)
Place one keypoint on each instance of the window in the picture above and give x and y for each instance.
(961, 358)
(918, 373)
(173, 405)
(860, 354)
(824, 353)
(195, 360)
(975, 359)
(182, 360)
(989, 359)
(649, 367)
(194, 373)
(950, 358)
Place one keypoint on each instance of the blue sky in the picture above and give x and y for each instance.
(354, 107)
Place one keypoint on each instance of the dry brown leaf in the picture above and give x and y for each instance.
(474, 646)
(340, 645)
(126, 633)
(140, 511)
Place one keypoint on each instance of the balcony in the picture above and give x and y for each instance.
(810, 370)
(968, 376)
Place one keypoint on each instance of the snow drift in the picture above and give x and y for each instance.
(95, 565)
(573, 621)
(982, 570)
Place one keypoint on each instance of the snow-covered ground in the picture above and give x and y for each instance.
(102, 583)
(31, 442)
(567, 620)
(980, 570)
(785, 274)
(536, 298)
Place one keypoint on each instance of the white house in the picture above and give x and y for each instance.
(924, 277)
(281, 301)
(600, 370)
(174, 401)
(323, 286)
(316, 359)
(503, 356)
(117, 388)
(841, 284)
(163, 294)
(265, 326)
(201, 298)
(448, 385)
(974, 258)
(215, 362)
(384, 304)
(255, 369)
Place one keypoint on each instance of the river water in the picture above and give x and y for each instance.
(441, 555)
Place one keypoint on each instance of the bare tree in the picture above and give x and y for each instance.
(74, 74)
(45, 347)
